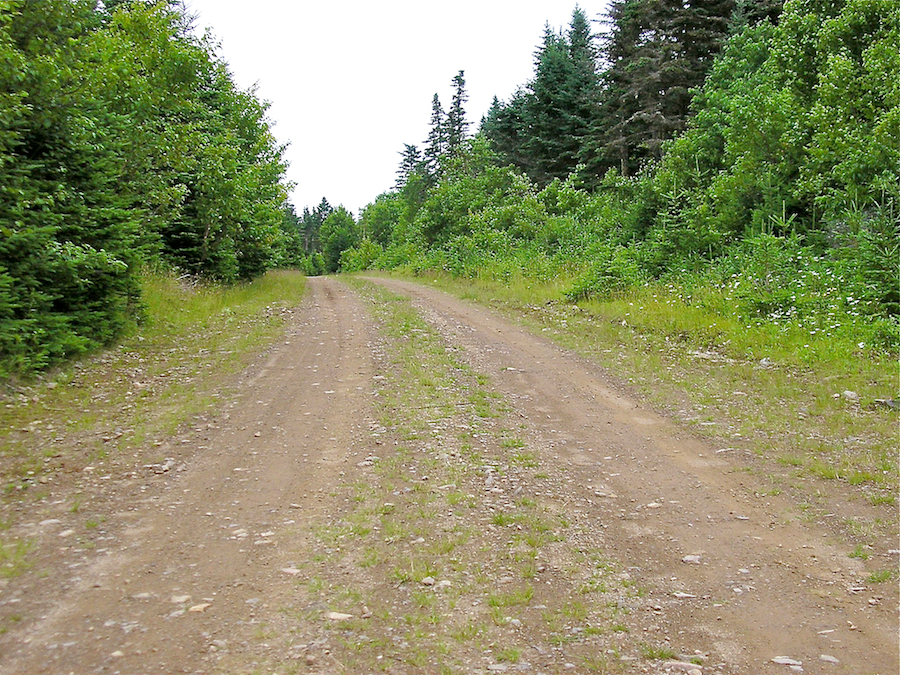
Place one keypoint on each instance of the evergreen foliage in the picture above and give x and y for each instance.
(655, 53)
(436, 143)
(123, 142)
(456, 125)
(410, 163)
(543, 129)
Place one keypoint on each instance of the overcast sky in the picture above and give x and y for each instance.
(351, 82)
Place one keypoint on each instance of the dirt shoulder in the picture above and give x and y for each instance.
(420, 486)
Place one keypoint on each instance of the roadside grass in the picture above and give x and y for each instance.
(773, 390)
(454, 559)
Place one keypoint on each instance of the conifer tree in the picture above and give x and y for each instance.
(543, 129)
(655, 54)
(410, 163)
(457, 126)
(436, 143)
(506, 128)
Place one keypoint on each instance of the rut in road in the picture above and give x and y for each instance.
(419, 486)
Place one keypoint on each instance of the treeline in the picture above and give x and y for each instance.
(738, 144)
(124, 143)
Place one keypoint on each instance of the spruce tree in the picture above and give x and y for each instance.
(457, 126)
(549, 144)
(410, 163)
(543, 129)
(436, 143)
(655, 54)
(506, 128)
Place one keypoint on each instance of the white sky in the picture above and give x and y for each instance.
(351, 82)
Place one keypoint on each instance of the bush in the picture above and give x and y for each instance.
(614, 268)
(363, 256)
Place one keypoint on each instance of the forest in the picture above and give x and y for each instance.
(125, 147)
(740, 156)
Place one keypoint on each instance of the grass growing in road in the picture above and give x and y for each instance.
(461, 553)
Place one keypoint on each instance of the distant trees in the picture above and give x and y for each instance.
(456, 126)
(446, 133)
(615, 104)
(436, 143)
(692, 142)
(687, 134)
(410, 163)
(544, 127)
(339, 232)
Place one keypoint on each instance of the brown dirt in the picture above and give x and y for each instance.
(200, 569)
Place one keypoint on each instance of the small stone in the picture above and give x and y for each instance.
(310, 659)
(338, 616)
(428, 581)
(850, 395)
(683, 596)
(66, 533)
(117, 654)
(497, 668)
(683, 666)
(202, 607)
(293, 571)
(828, 658)
(691, 559)
(786, 661)
(180, 599)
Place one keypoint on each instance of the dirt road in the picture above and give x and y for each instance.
(508, 510)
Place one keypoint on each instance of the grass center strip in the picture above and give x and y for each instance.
(454, 549)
